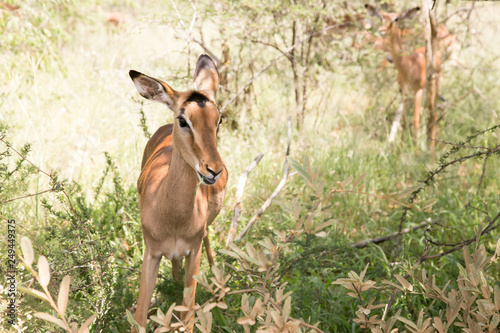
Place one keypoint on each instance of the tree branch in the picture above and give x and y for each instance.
(388, 237)
(275, 61)
(239, 194)
(267, 203)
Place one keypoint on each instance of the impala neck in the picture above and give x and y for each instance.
(180, 184)
(396, 47)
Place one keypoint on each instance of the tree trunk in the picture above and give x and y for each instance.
(432, 73)
(296, 75)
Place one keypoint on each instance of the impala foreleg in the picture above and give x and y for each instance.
(176, 269)
(149, 273)
(208, 250)
(192, 269)
(417, 113)
(405, 101)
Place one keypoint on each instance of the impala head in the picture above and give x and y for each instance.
(197, 118)
(389, 22)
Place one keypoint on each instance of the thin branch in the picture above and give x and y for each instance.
(425, 257)
(24, 157)
(274, 46)
(181, 322)
(267, 203)
(486, 230)
(388, 237)
(465, 146)
(26, 196)
(275, 61)
(483, 173)
(218, 62)
(307, 325)
(239, 194)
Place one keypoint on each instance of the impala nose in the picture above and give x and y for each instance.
(212, 172)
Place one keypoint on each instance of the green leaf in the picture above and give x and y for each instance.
(62, 298)
(404, 282)
(299, 168)
(438, 324)
(408, 191)
(407, 322)
(287, 308)
(50, 318)
(44, 271)
(343, 184)
(34, 292)
(27, 249)
(321, 234)
(395, 285)
(494, 322)
(359, 180)
(229, 253)
(362, 275)
(130, 318)
(85, 326)
(496, 297)
(428, 204)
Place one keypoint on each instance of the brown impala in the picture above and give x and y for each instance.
(411, 67)
(175, 212)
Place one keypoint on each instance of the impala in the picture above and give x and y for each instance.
(410, 67)
(182, 182)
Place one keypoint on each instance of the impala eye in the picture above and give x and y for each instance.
(182, 122)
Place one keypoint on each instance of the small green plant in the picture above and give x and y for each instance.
(43, 278)
(473, 304)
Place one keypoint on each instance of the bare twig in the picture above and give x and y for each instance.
(26, 196)
(307, 325)
(465, 146)
(218, 62)
(277, 190)
(483, 173)
(425, 257)
(305, 39)
(186, 32)
(24, 157)
(238, 196)
(388, 237)
(181, 322)
(396, 122)
(460, 245)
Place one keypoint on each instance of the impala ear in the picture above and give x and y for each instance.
(409, 14)
(206, 76)
(154, 89)
(374, 11)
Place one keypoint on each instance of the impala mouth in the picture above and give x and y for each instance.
(206, 180)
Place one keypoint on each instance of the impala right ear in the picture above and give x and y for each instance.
(154, 89)
(409, 14)
(206, 76)
(374, 11)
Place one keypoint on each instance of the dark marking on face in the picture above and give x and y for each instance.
(182, 110)
(198, 98)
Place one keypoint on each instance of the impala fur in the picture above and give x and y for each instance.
(410, 67)
(175, 214)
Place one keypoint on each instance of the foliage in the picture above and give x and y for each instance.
(473, 303)
(43, 278)
(66, 92)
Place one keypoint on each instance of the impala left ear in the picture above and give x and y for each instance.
(206, 76)
(374, 11)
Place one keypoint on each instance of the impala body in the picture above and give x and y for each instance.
(175, 211)
(411, 67)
